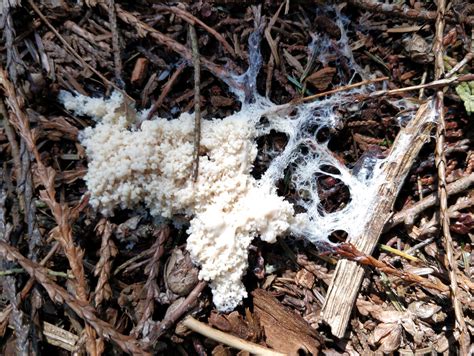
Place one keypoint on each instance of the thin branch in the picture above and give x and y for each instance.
(197, 99)
(440, 159)
(408, 215)
(115, 43)
(177, 313)
(350, 252)
(165, 90)
(227, 339)
(401, 11)
(192, 20)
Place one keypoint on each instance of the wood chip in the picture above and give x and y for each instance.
(139, 71)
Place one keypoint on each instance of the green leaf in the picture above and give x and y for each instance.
(465, 91)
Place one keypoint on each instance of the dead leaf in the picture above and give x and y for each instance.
(235, 324)
(390, 316)
(423, 310)
(322, 78)
(285, 331)
(388, 335)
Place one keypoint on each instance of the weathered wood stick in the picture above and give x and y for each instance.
(348, 276)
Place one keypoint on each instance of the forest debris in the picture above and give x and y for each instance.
(441, 164)
(60, 295)
(181, 275)
(139, 71)
(103, 268)
(322, 78)
(248, 329)
(409, 214)
(285, 330)
(227, 339)
(348, 276)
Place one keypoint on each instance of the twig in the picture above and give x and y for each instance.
(398, 253)
(52, 273)
(115, 43)
(197, 100)
(440, 83)
(397, 10)
(337, 90)
(81, 308)
(129, 262)
(227, 339)
(192, 20)
(177, 313)
(440, 159)
(409, 214)
(349, 251)
(461, 64)
(166, 89)
(434, 84)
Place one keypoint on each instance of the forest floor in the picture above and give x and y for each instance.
(74, 281)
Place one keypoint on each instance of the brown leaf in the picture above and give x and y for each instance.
(392, 340)
(221, 101)
(285, 331)
(423, 310)
(235, 324)
(322, 78)
(389, 316)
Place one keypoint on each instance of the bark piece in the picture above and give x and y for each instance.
(285, 331)
(348, 276)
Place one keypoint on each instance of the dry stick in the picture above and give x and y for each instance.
(440, 159)
(348, 276)
(440, 83)
(227, 339)
(192, 20)
(408, 215)
(61, 213)
(434, 84)
(115, 42)
(177, 313)
(197, 100)
(459, 65)
(344, 88)
(350, 252)
(404, 12)
(166, 89)
(81, 308)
